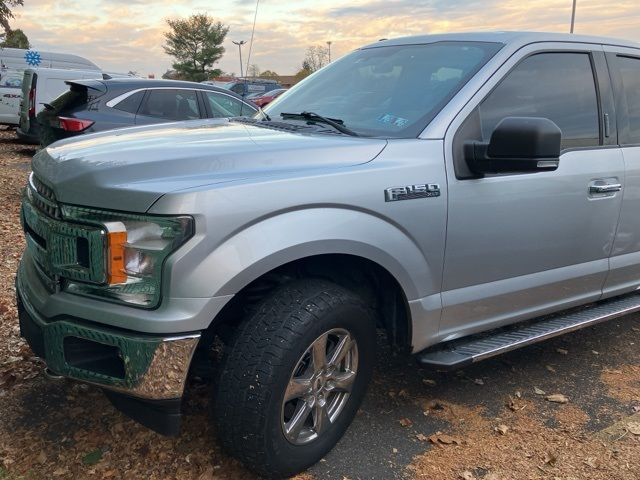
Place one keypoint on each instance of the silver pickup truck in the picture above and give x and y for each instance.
(467, 194)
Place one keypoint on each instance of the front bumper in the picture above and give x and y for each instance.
(140, 371)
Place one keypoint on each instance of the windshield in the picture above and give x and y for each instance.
(390, 92)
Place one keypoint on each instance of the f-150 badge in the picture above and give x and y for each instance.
(409, 192)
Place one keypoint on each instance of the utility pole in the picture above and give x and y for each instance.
(329, 45)
(573, 16)
(240, 44)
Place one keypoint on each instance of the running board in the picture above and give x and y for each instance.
(468, 350)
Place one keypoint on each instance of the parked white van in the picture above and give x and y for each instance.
(13, 63)
(41, 86)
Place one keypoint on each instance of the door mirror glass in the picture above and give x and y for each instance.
(517, 145)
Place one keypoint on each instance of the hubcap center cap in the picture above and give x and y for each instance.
(319, 384)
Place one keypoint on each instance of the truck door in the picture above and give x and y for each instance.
(522, 245)
(624, 65)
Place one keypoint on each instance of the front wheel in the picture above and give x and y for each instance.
(294, 377)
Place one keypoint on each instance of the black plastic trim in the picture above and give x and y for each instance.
(161, 416)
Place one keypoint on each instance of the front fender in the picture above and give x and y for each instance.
(293, 235)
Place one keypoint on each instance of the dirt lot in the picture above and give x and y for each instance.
(495, 420)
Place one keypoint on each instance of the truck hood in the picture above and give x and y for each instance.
(130, 169)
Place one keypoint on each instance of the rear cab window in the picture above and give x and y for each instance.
(629, 102)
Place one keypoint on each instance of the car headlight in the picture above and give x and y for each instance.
(134, 252)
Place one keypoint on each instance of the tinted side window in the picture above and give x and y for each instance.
(630, 73)
(226, 106)
(557, 86)
(131, 104)
(172, 105)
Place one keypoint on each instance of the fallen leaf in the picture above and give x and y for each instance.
(435, 405)
(422, 437)
(60, 471)
(550, 368)
(550, 459)
(502, 429)
(405, 422)
(537, 391)
(207, 474)
(634, 427)
(403, 393)
(92, 458)
(595, 352)
(558, 398)
(492, 476)
(441, 438)
(394, 450)
(428, 381)
(42, 457)
(478, 381)
(591, 461)
(562, 351)
(519, 394)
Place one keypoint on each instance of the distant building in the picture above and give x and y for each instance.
(287, 81)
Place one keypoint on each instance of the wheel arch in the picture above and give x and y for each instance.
(296, 243)
(369, 280)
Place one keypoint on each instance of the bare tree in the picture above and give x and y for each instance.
(315, 58)
(253, 71)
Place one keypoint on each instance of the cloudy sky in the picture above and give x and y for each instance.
(123, 35)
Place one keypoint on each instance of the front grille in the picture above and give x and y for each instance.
(58, 247)
(43, 197)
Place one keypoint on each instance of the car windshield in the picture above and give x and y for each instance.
(388, 91)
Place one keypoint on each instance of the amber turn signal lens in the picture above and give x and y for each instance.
(115, 257)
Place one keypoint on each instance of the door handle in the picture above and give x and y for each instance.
(606, 188)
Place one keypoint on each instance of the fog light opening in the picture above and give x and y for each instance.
(94, 357)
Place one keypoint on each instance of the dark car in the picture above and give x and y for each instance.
(256, 86)
(266, 98)
(98, 105)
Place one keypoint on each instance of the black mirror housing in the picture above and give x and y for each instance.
(517, 145)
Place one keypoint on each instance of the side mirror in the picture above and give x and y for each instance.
(517, 145)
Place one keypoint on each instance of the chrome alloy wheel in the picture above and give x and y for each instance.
(320, 386)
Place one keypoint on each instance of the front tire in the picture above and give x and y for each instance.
(294, 376)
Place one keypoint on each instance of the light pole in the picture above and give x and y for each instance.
(240, 44)
(329, 45)
(573, 16)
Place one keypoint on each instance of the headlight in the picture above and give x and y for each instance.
(134, 252)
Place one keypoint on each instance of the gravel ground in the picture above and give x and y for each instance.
(491, 421)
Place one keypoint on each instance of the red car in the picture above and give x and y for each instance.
(268, 97)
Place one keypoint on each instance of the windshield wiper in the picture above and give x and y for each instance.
(314, 117)
(265, 115)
